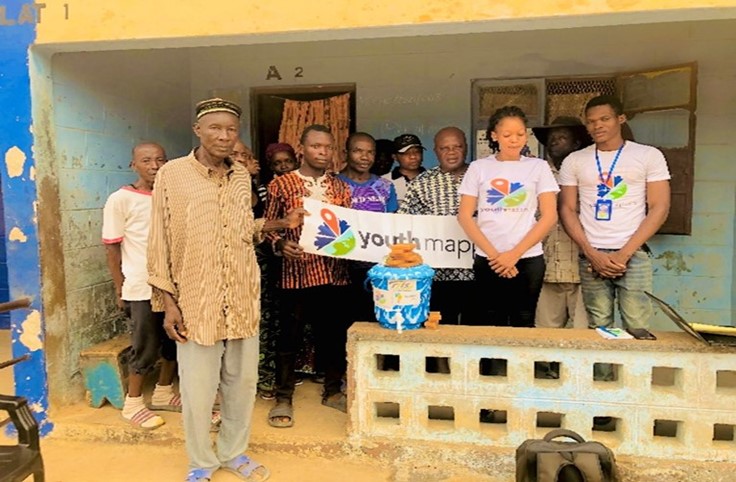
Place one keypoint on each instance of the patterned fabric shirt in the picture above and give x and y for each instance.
(377, 194)
(201, 249)
(286, 193)
(434, 192)
(560, 254)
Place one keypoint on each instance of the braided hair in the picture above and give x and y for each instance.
(498, 116)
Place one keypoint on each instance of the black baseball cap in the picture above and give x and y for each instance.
(405, 142)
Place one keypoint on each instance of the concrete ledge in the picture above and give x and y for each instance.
(533, 337)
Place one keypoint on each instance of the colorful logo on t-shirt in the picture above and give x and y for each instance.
(614, 189)
(506, 194)
(334, 235)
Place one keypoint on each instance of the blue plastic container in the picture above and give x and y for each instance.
(401, 295)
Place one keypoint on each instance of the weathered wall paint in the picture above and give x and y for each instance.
(99, 106)
(90, 20)
(19, 196)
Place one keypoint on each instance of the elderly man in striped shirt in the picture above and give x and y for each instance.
(205, 278)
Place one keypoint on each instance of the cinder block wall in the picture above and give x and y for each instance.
(669, 398)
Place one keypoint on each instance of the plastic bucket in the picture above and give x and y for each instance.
(401, 295)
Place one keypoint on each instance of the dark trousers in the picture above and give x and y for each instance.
(508, 302)
(326, 308)
(361, 293)
(148, 339)
(455, 301)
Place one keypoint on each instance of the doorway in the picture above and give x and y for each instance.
(267, 107)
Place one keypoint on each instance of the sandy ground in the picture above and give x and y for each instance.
(68, 461)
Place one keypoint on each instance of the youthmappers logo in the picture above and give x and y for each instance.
(614, 189)
(334, 236)
(506, 194)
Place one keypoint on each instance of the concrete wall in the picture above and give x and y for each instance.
(103, 104)
(92, 21)
(420, 84)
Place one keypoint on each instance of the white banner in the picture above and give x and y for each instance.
(366, 236)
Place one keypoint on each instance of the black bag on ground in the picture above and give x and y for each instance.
(549, 461)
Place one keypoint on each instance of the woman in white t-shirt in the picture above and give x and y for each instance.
(506, 189)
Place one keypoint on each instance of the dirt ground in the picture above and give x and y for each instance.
(68, 461)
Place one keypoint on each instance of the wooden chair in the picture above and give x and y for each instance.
(17, 462)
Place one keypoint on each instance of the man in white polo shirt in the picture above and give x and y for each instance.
(624, 195)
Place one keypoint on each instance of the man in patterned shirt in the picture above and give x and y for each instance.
(434, 192)
(368, 193)
(313, 288)
(561, 301)
(202, 267)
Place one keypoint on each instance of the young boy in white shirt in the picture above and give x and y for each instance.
(126, 219)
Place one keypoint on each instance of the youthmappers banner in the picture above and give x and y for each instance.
(365, 236)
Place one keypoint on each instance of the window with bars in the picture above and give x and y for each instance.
(659, 104)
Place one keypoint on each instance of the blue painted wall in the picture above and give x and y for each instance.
(4, 288)
(19, 196)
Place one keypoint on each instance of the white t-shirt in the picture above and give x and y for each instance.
(507, 198)
(126, 219)
(637, 165)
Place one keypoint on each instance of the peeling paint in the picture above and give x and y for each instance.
(15, 160)
(674, 261)
(33, 173)
(31, 336)
(16, 234)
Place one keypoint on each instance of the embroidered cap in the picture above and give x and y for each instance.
(405, 142)
(217, 105)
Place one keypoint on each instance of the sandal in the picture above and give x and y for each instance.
(246, 469)
(338, 401)
(173, 405)
(199, 475)
(144, 419)
(280, 411)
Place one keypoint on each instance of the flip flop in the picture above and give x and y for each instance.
(173, 405)
(144, 419)
(247, 469)
(199, 475)
(281, 410)
(338, 401)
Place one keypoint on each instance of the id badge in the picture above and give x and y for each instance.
(603, 209)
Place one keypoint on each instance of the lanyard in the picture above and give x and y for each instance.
(613, 165)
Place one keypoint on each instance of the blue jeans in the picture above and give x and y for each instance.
(633, 304)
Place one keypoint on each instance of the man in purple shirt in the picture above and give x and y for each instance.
(368, 192)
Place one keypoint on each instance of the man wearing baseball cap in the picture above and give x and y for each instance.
(409, 153)
(560, 301)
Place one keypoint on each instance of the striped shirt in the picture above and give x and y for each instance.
(434, 192)
(201, 249)
(286, 193)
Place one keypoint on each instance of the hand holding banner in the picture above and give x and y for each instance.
(365, 236)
